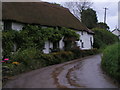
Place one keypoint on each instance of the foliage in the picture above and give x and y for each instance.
(33, 36)
(89, 18)
(9, 38)
(111, 61)
(30, 59)
(30, 42)
(78, 53)
(68, 33)
(63, 56)
(77, 7)
(70, 37)
(103, 26)
(103, 38)
(25, 56)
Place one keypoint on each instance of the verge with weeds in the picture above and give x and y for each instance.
(111, 61)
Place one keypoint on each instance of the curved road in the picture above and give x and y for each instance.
(80, 73)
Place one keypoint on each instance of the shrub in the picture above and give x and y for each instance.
(47, 59)
(28, 57)
(111, 61)
(56, 58)
(82, 53)
(77, 52)
(103, 38)
(63, 56)
(9, 38)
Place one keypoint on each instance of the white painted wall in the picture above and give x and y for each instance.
(61, 44)
(85, 38)
(47, 47)
(17, 26)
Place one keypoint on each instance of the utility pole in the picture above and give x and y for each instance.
(105, 15)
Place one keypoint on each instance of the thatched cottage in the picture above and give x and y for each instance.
(15, 15)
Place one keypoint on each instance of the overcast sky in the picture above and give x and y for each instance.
(98, 6)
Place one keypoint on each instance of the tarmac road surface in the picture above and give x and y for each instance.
(79, 73)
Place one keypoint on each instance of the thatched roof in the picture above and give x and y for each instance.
(42, 13)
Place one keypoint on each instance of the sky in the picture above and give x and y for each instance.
(98, 6)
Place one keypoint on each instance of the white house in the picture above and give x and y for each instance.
(116, 32)
(17, 14)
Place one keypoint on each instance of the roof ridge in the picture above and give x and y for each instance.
(42, 13)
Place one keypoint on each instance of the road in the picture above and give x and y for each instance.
(79, 73)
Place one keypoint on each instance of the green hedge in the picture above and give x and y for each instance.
(103, 38)
(78, 53)
(111, 61)
(32, 58)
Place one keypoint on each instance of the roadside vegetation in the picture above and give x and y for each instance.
(22, 50)
(103, 38)
(111, 61)
(107, 43)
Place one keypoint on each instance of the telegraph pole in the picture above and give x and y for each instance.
(105, 15)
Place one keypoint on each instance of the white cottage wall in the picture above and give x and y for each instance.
(17, 26)
(87, 40)
(84, 37)
(61, 44)
(47, 47)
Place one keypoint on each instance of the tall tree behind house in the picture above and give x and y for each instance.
(89, 18)
(77, 7)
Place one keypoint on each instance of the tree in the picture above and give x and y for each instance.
(103, 26)
(77, 7)
(103, 38)
(89, 18)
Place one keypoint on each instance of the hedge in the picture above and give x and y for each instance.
(103, 38)
(111, 61)
(31, 59)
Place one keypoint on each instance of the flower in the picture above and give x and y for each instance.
(16, 63)
(2, 61)
(6, 59)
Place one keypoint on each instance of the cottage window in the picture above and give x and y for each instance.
(55, 45)
(82, 45)
(81, 32)
(91, 42)
(7, 25)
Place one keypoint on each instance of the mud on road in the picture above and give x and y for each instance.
(79, 73)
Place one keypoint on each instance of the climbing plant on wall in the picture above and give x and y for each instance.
(9, 38)
(35, 36)
(70, 37)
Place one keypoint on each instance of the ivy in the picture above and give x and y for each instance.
(35, 36)
(70, 34)
(8, 39)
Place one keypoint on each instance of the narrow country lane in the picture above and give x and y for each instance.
(79, 73)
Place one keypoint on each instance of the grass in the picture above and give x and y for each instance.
(111, 61)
